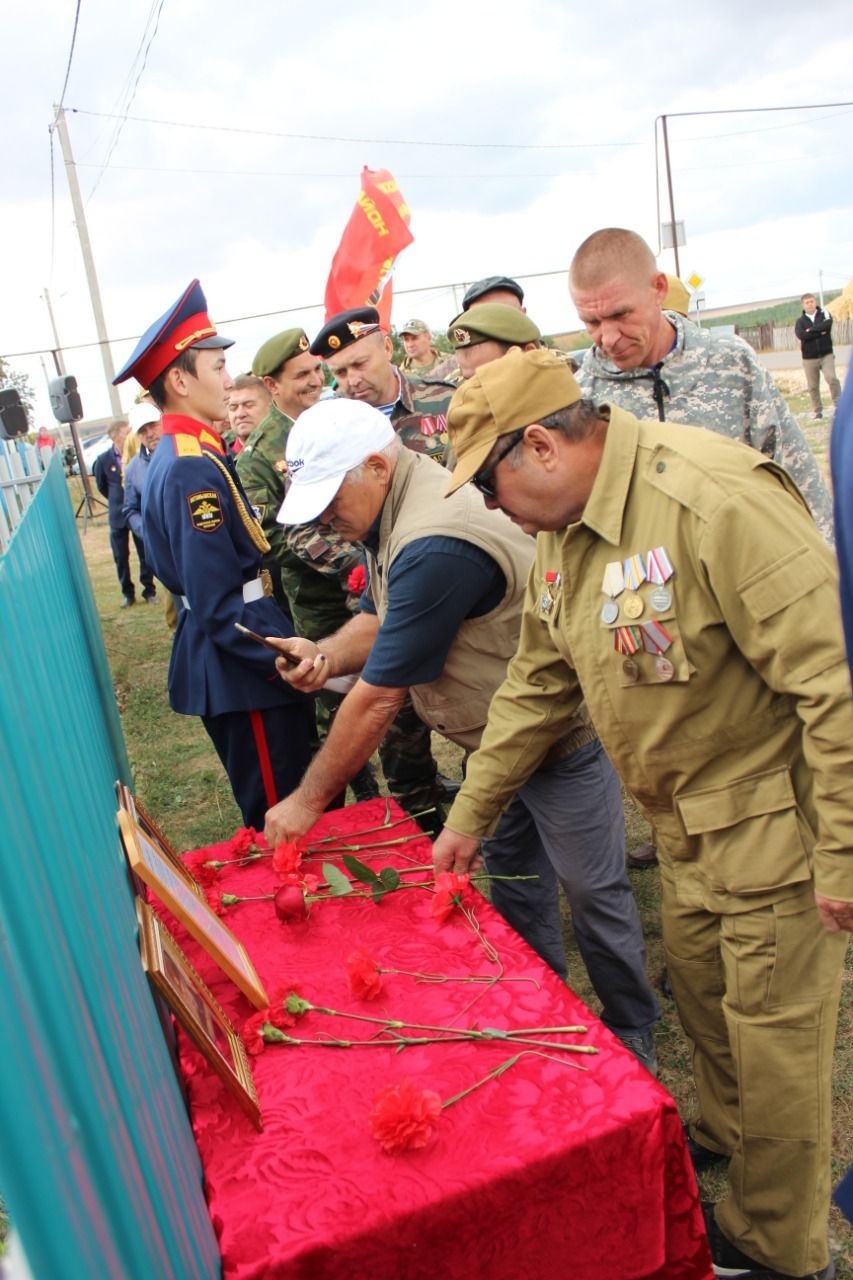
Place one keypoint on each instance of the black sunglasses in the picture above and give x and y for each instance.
(482, 480)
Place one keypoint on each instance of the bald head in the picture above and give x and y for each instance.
(618, 292)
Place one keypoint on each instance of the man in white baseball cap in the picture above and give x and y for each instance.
(440, 618)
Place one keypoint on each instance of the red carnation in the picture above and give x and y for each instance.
(357, 580)
(214, 900)
(287, 857)
(253, 1032)
(404, 1116)
(364, 977)
(450, 891)
(242, 841)
(196, 863)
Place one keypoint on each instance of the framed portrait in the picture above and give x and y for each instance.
(196, 1009)
(129, 803)
(157, 871)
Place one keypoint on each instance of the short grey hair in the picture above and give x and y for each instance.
(391, 451)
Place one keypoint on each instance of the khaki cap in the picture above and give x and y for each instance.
(504, 395)
(414, 326)
(677, 298)
(492, 321)
(275, 351)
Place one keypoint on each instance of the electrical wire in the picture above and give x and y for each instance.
(51, 128)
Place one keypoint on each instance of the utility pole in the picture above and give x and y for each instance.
(820, 288)
(671, 200)
(88, 260)
(57, 349)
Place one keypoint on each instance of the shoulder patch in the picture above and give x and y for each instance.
(187, 446)
(205, 510)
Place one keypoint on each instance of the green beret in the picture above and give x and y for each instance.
(492, 320)
(274, 352)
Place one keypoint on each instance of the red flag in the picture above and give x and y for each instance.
(377, 231)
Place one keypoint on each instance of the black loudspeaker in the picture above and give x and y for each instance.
(13, 415)
(65, 399)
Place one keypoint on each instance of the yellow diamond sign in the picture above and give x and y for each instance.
(694, 281)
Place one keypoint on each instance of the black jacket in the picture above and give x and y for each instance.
(815, 335)
(107, 473)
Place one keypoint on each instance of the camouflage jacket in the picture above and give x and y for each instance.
(444, 367)
(420, 415)
(714, 381)
(310, 562)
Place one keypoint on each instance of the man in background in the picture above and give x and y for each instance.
(248, 405)
(108, 478)
(656, 364)
(502, 289)
(422, 359)
(814, 333)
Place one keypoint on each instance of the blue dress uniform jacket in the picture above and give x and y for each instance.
(196, 524)
(108, 478)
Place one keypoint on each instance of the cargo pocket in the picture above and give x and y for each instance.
(748, 836)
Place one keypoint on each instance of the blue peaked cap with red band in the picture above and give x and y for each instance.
(186, 324)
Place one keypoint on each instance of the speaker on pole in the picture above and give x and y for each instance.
(65, 399)
(13, 415)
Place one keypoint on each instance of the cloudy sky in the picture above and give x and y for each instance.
(228, 145)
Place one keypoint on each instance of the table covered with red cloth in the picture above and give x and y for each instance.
(547, 1172)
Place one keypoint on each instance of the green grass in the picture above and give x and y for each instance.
(179, 779)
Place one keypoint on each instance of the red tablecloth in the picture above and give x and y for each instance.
(547, 1173)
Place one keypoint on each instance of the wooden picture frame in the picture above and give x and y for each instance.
(129, 803)
(196, 1009)
(156, 870)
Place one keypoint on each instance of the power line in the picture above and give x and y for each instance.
(385, 142)
(348, 174)
(124, 116)
(70, 53)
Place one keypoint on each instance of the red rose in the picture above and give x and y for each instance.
(287, 857)
(364, 977)
(357, 580)
(450, 891)
(404, 1116)
(290, 904)
(196, 864)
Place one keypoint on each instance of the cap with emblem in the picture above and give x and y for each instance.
(278, 350)
(142, 415)
(491, 284)
(504, 395)
(492, 321)
(413, 326)
(326, 442)
(344, 329)
(186, 324)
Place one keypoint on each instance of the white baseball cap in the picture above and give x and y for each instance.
(326, 442)
(142, 415)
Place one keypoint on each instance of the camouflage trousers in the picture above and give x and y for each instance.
(364, 785)
(409, 768)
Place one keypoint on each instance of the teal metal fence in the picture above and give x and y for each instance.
(98, 1166)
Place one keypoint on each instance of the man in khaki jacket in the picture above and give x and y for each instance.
(440, 618)
(681, 587)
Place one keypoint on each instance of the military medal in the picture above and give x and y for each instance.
(548, 597)
(658, 567)
(609, 612)
(632, 607)
(630, 670)
(656, 639)
(614, 579)
(635, 572)
(664, 668)
(626, 640)
(661, 599)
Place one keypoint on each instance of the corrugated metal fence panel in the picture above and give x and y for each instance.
(97, 1161)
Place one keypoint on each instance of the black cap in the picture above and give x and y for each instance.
(475, 291)
(344, 329)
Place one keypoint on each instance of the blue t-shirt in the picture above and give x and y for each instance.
(434, 584)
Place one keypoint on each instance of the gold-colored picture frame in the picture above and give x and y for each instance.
(196, 1009)
(129, 803)
(156, 870)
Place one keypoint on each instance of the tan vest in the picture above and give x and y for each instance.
(457, 703)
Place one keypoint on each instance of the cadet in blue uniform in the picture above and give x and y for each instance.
(205, 544)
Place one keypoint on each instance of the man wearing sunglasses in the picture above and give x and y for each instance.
(440, 617)
(682, 589)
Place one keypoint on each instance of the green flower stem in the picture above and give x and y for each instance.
(446, 977)
(272, 1035)
(236, 862)
(385, 826)
(498, 1071)
(472, 1033)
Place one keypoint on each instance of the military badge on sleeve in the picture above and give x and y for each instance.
(205, 510)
